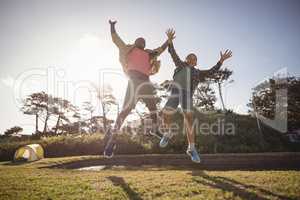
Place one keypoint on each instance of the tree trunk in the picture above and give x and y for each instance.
(221, 96)
(56, 126)
(91, 123)
(36, 123)
(45, 125)
(104, 117)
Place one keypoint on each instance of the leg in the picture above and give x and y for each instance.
(191, 151)
(128, 105)
(170, 107)
(187, 106)
(146, 92)
(188, 124)
(167, 112)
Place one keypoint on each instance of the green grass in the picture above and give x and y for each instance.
(37, 181)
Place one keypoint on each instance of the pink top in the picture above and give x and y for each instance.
(139, 60)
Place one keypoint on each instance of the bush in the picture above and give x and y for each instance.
(246, 139)
(70, 145)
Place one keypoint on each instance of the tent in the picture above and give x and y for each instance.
(31, 152)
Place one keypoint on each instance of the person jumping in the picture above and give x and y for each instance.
(186, 78)
(138, 63)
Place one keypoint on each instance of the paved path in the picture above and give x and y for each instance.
(252, 161)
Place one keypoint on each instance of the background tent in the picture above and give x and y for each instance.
(29, 152)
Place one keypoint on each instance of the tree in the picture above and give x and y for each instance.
(265, 99)
(87, 106)
(35, 104)
(107, 100)
(64, 110)
(12, 130)
(43, 106)
(204, 96)
(220, 77)
(47, 110)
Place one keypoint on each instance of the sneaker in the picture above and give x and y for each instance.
(110, 145)
(165, 140)
(194, 155)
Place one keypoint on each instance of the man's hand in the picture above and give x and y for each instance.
(225, 55)
(112, 22)
(171, 35)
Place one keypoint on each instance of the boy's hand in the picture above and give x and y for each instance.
(171, 35)
(225, 55)
(112, 22)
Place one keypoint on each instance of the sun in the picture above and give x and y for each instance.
(90, 56)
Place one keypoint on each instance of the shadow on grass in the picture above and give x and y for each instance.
(218, 162)
(238, 189)
(16, 163)
(119, 181)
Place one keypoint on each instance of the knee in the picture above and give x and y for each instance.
(188, 116)
(166, 118)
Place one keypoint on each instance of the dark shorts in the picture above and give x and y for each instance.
(182, 96)
(139, 88)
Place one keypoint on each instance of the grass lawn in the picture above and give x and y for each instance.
(37, 181)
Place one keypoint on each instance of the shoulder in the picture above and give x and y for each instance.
(149, 51)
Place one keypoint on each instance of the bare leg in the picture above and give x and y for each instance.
(128, 105)
(188, 123)
(166, 118)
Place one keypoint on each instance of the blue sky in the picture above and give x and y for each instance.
(73, 36)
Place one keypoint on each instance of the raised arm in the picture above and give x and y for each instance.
(161, 49)
(177, 61)
(223, 56)
(171, 35)
(115, 37)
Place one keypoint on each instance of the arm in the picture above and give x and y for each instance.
(178, 62)
(171, 36)
(223, 56)
(115, 37)
(161, 49)
(212, 70)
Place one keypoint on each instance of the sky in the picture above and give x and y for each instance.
(64, 47)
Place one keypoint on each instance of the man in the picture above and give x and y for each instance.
(186, 78)
(138, 63)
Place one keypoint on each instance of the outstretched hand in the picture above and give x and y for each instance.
(112, 22)
(171, 35)
(225, 55)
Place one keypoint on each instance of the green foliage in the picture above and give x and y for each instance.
(246, 139)
(70, 145)
(12, 130)
(266, 95)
